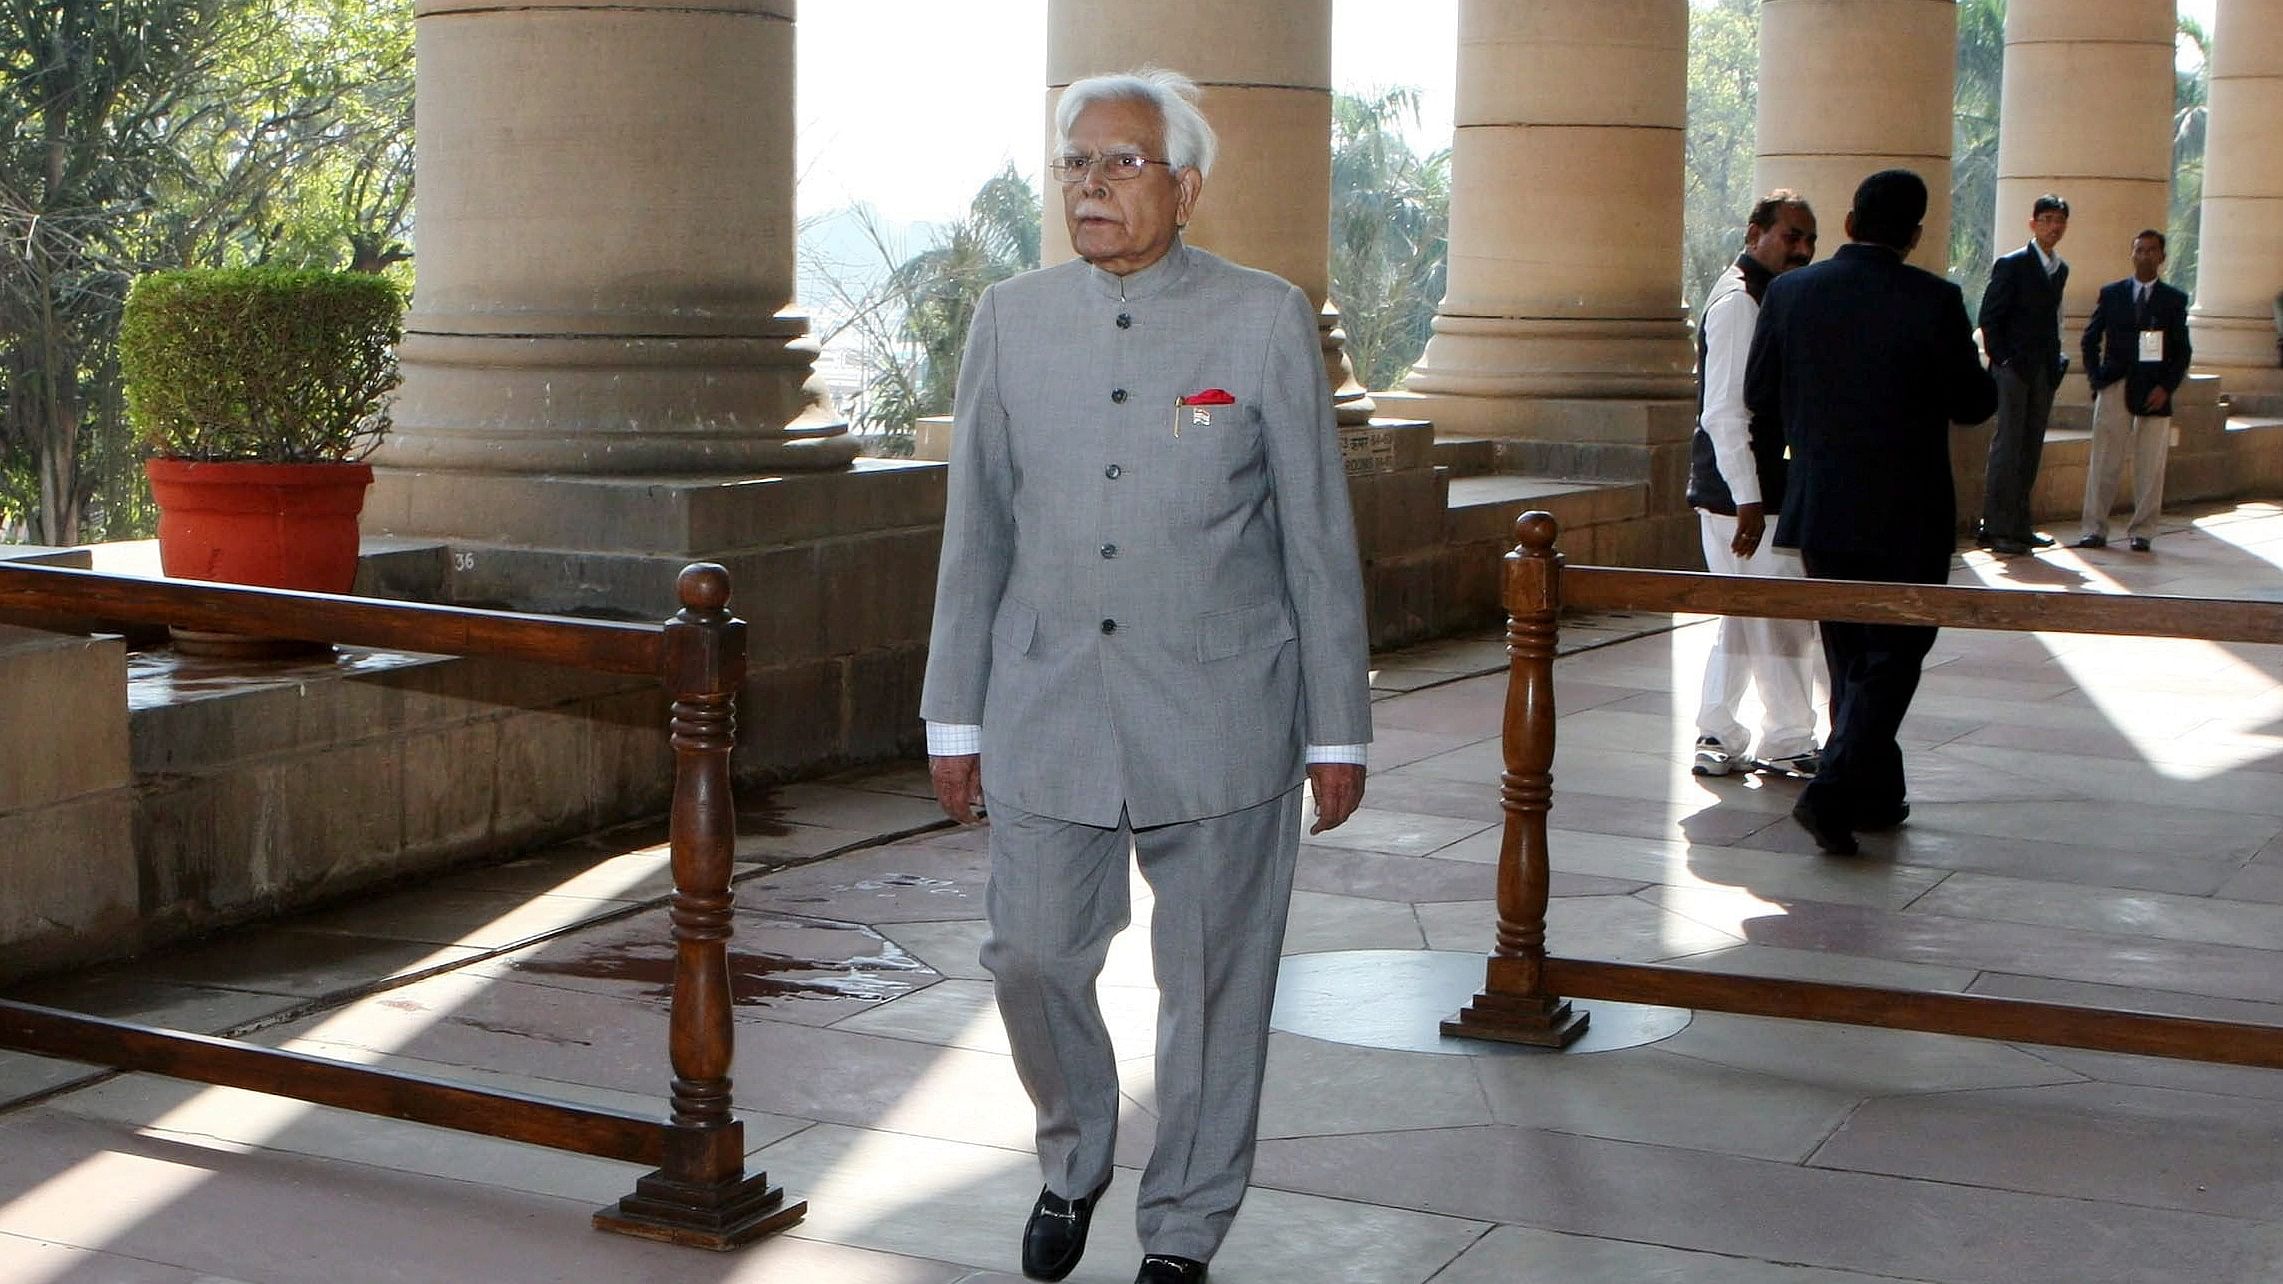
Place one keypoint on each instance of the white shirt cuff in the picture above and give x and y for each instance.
(953, 739)
(1356, 754)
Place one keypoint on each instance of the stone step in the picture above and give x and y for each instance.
(1483, 508)
(1466, 456)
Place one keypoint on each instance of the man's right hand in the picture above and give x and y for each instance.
(958, 783)
(1751, 524)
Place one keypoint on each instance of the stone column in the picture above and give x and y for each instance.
(1266, 70)
(2108, 153)
(606, 244)
(1851, 87)
(1566, 195)
(2240, 255)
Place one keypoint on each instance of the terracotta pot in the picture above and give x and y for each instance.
(275, 525)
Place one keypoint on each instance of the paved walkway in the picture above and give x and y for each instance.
(2096, 820)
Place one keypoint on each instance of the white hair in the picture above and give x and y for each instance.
(1189, 141)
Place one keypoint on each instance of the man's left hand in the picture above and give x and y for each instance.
(1338, 787)
(2158, 398)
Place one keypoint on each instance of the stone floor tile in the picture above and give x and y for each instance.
(1386, 877)
(1521, 1255)
(1699, 818)
(909, 778)
(2127, 998)
(302, 964)
(919, 879)
(2221, 971)
(213, 1209)
(1709, 866)
(1315, 1087)
(1470, 708)
(23, 1075)
(2252, 793)
(119, 993)
(1378, 829)
(24, 1260)
(1596, 927)
(963, 1014)
(1863, 1060)
(1393, 747)
(1723, 1204)
(2167, 1072)
(1324, 921)
(1930, 841)
(777, 843)
(968, 1203)
(1825, 965)
(2118, 1143)
(642, 874)
(1475, 800)
(2175, 918)
(480, 920)
(865, 811)
(951, 949)
(1648, 1095)
(1388, 679)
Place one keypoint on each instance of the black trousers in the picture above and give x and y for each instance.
(2017, 444)
(1874, 674)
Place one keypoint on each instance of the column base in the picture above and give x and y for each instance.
(1515, 358)
(719, 1217)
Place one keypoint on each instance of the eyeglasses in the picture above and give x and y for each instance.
(1116, 166)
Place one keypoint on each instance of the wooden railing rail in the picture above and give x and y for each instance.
(1527, 992)
(700, 1193)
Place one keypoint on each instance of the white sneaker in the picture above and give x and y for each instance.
(1712, 758)
(1800, 766)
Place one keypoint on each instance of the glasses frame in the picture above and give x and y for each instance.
(1059, 169)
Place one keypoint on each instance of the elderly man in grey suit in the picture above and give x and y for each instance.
(1149, 627)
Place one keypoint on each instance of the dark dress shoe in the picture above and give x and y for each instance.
(2008, 547)
(2093, 541)
(1055, 1237)
(1831, 837)
(1885, 819)
(2139, 545)
(1157, 1268)
(2036, 540)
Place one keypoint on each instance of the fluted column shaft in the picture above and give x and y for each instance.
(2240, 250)
(1265, 67)
(606, 243)
(1851, 87)
(2108, 153)
(1566, 207)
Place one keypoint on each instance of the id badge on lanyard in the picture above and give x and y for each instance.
(2152, 345)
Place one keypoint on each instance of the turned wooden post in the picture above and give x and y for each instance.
(701, 1195)
(1514, 1005)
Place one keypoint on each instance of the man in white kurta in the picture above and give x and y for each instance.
(1736, 478)
(1149, 628)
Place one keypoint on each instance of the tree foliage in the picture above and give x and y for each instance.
(2191, 94)
(1974, 143)
(143, 134)
(1723, 102)
(1391, 214)
(911, 325)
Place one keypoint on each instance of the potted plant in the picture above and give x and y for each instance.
(259, 391)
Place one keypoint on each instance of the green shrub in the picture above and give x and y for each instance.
(261, 364)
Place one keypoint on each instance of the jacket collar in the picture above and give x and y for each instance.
(1870, 250)
(1149, 281)
(1756, 276)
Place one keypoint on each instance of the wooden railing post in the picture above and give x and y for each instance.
(1515, 1005)
(700, 1195)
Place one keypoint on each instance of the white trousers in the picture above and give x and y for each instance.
(1778, 658)
(2118, 432)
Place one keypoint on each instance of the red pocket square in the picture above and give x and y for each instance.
(1209, 397)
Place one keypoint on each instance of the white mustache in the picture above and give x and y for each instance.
(1089, 209)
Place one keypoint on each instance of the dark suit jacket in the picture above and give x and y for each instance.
(1865, 362)
(2112, 342)
(2021, 313)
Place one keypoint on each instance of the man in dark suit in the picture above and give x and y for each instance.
(1865, 362)
(2136, 354)
(2021, 328)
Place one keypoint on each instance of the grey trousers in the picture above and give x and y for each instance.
(2025, 403)
(2118, 432)
(1057, 894)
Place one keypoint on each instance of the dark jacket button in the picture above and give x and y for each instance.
(1109, 626)
(1112, 472)
(1125, 321)
(1109, 550)
(1118, 395)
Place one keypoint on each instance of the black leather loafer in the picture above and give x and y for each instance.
(1055, 1237)
(2139, 545)
(1831, 837)
(1158, 1268)
(2093, 541)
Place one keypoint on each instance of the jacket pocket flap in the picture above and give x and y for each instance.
(1247, 628)
(1015, 625)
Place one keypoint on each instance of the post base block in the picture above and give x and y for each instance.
(720, 1216)
(1538, 1020)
